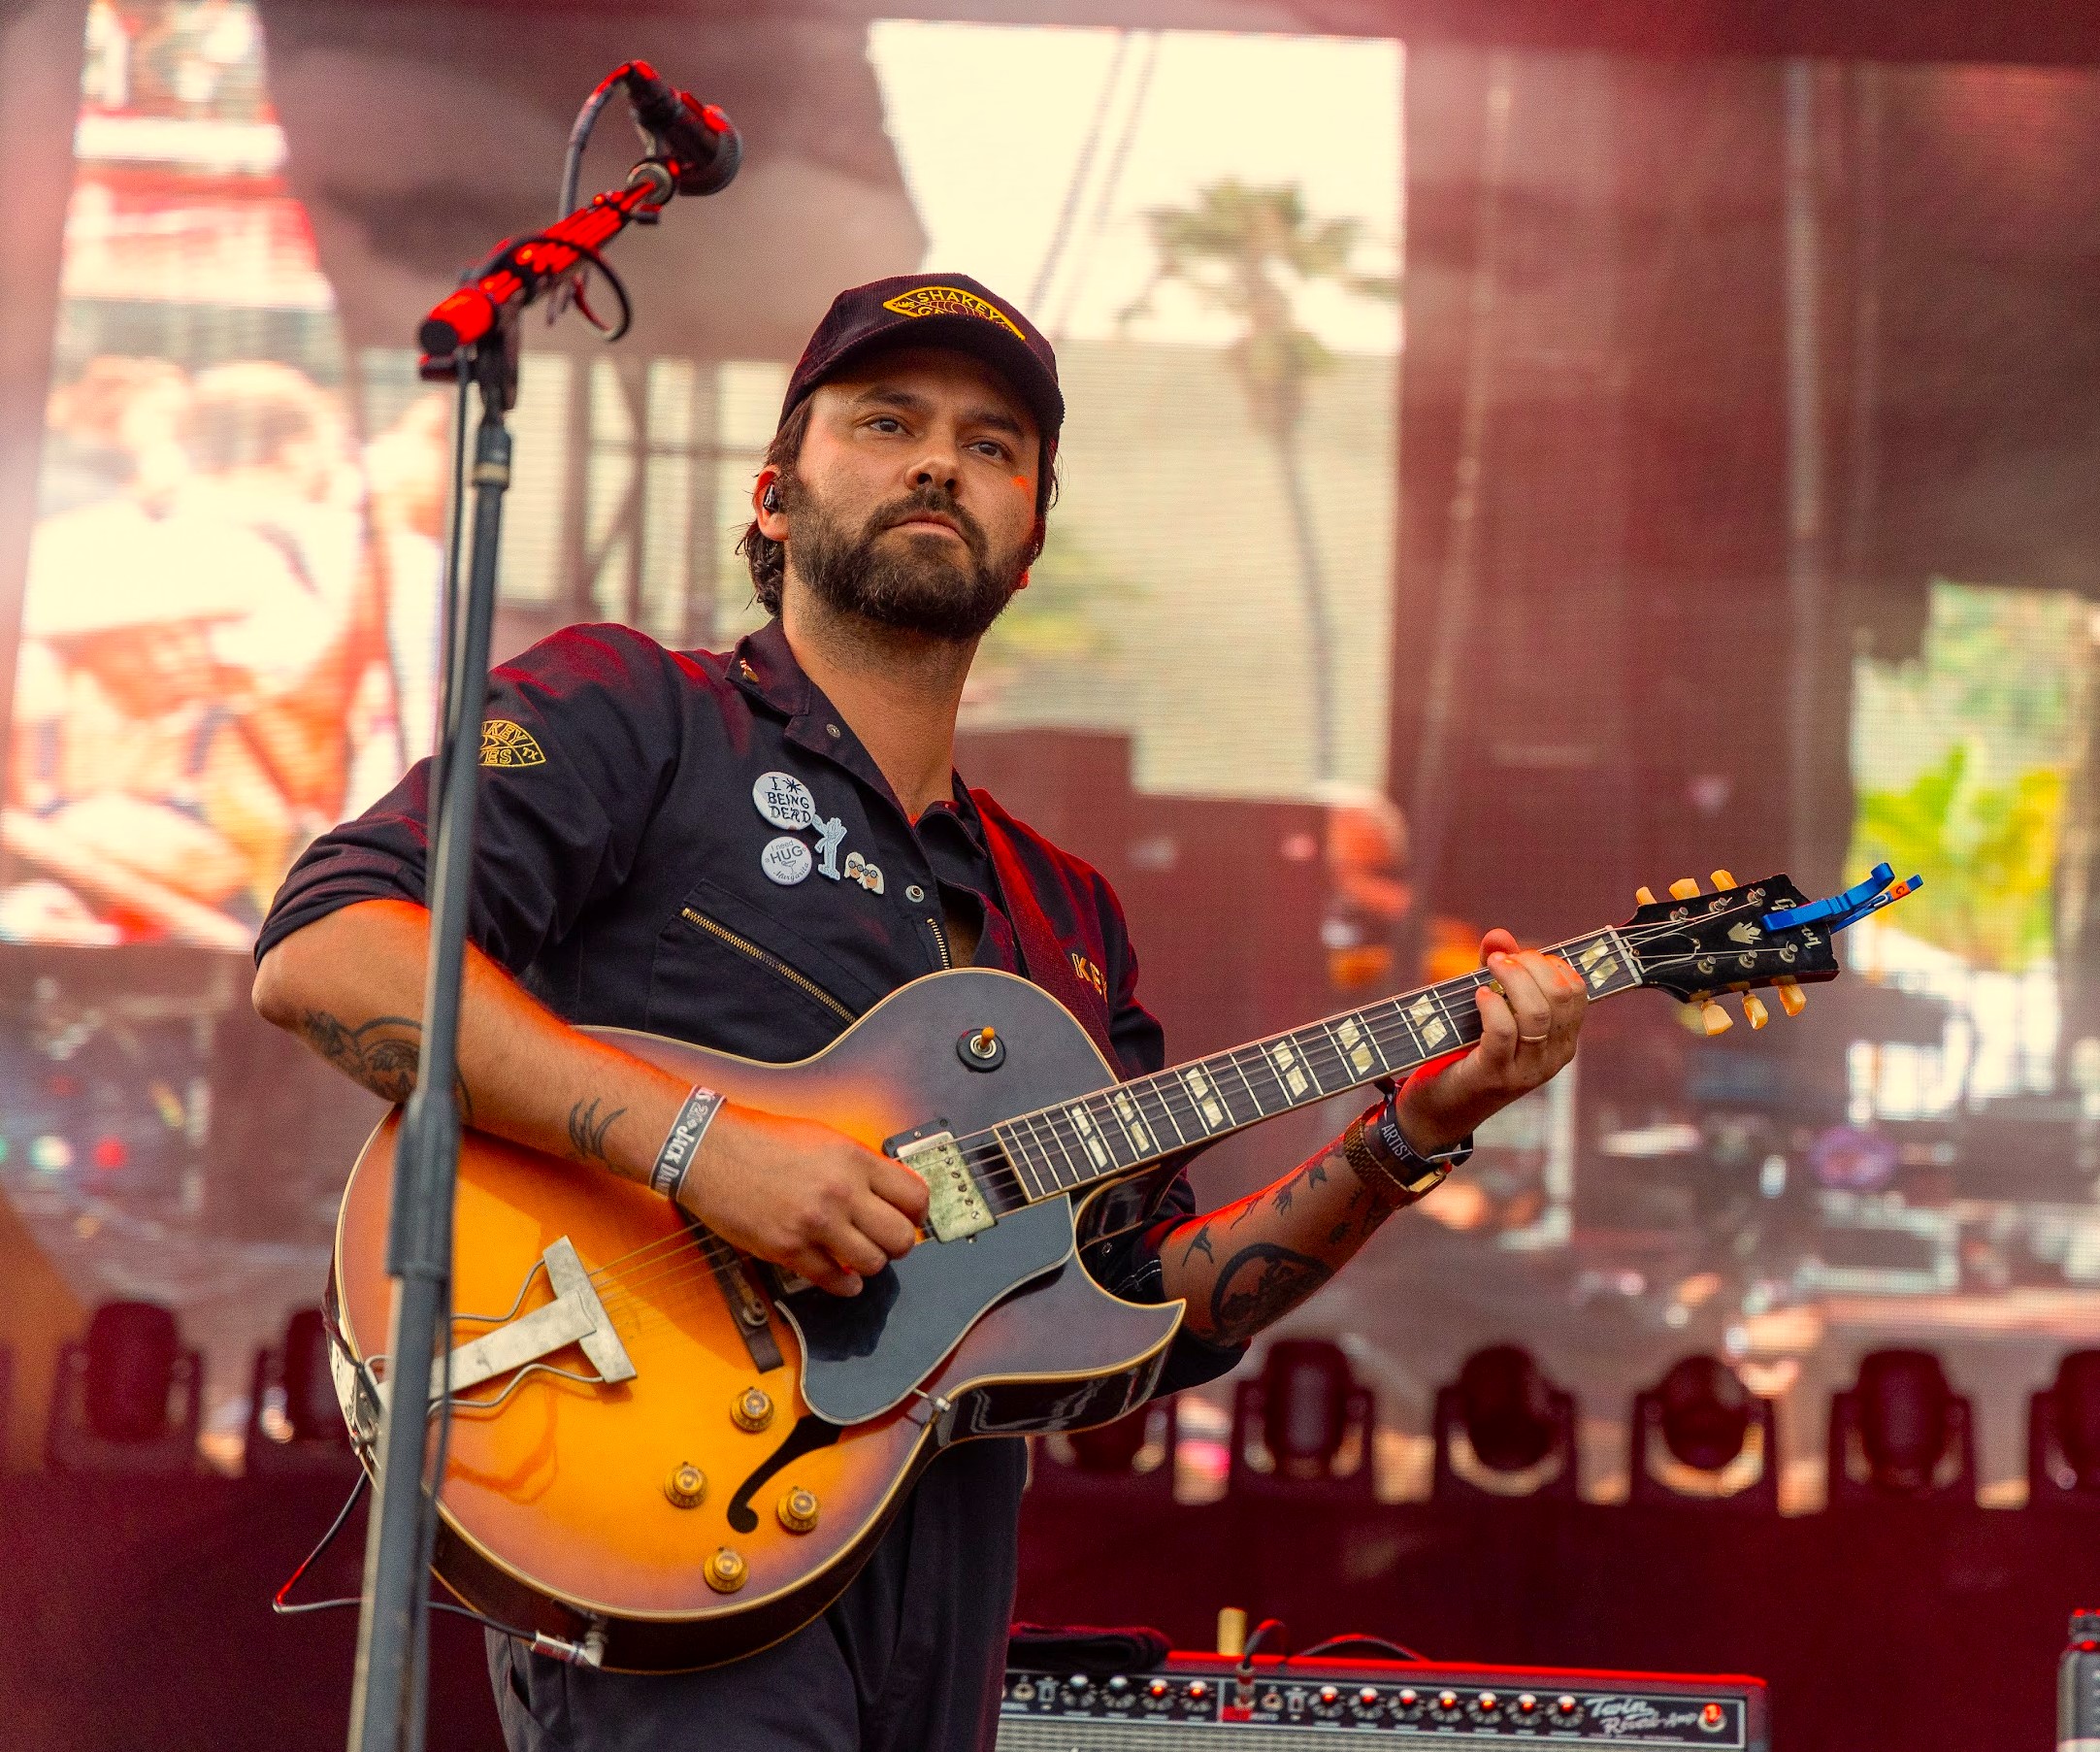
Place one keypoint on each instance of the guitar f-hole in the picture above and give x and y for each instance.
(808, 1435)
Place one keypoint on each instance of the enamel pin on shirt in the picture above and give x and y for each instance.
(786, 802)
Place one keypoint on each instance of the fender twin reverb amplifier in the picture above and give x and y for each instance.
(1202, 1701)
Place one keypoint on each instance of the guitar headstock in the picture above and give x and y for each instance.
(1744, 936)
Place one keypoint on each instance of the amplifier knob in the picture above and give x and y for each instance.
(1157, 1690)
(1367, 1697)
(1526, 1703)
(1199, 1689)
(1486, 1704)
(1119, 1685)
(1080, 1683)
(1566, 1708)
(1329, 1696)
(1447, 1702)
(1409, 1696)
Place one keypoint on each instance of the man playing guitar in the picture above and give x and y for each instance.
(643, 859)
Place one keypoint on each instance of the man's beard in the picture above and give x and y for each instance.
(919, 583)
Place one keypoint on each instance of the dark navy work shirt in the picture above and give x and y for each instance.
(696, 844)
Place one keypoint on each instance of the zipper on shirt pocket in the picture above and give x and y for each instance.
(767, 959)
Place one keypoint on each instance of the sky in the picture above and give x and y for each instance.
(992, 124)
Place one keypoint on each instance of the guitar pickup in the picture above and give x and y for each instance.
(955, 1208)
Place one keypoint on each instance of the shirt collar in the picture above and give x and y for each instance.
(763, 665)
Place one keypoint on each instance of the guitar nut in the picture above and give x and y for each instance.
(726, 1571)
(753, 1409)
(686, 1486)
(797, 1511)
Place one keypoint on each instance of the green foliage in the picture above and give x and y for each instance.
(1988, 854)
(1239, 247)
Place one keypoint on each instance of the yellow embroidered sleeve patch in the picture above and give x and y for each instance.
(950, 301)
(507, 744)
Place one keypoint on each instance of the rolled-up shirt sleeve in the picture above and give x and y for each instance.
(580, 738)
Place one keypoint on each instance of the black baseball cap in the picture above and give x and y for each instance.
(934, 309)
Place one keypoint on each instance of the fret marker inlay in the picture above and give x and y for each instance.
(1083, 1124)
(1353, 1044)
(1199, 1092)
(1287, 1069)
(1425, 1019)
(1126, 1113)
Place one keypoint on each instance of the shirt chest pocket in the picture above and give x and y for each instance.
(731, 975)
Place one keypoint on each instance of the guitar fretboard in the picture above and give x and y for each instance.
(1059, 1149)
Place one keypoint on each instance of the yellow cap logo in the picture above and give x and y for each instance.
(507, 744)
(950, 301)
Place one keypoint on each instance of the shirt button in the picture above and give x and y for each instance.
(831, 730)
(914, 893)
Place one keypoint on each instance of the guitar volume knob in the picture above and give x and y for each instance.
(797, 1511)
(686, 1486)
(753, 1409)
(727, 1570)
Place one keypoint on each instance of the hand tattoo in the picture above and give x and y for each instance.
(382, 1054)
(1257, 1285)
(587, 1131)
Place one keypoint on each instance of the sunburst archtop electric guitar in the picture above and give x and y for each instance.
(662, 1455)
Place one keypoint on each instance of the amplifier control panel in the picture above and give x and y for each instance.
(1402, 1702)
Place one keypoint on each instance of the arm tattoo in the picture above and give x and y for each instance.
(1313, 1172)
(382, 1054)
(1257, 1285)
(1201, 1240)
(587, 1131)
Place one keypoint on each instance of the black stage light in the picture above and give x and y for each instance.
(1309, 1411)
(1901, 1432)
(128, 1395)
(1517, 1423)
(2063, 1434)
(1701, 1414)
(311, 1411)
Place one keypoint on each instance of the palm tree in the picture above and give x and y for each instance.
(1241, 248)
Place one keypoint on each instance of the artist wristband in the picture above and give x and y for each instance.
(1375, 1147)
(683, 1143)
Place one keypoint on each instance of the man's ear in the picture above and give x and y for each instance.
(766, 505)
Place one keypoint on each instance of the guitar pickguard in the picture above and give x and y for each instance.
(864, 1354)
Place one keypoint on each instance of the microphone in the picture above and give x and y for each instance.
(702, 144)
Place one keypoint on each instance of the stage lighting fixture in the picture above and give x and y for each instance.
(1700, 1414)
(1308, 1408)
(2063, 1434)
(1901, 1432)
(128, 1395)
(1520, 1428)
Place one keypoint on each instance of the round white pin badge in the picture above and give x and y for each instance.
(786, 860)
(784, 800)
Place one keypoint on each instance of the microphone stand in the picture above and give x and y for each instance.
(470, 337)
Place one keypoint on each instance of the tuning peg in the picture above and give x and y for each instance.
(1722, 880)
(1753, 1011)
(1684, 889)
(1713, 1020)
(1791, 998)
(1644, 897)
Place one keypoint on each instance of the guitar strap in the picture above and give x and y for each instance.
(1043, 959)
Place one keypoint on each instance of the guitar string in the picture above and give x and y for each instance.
(693, 1248)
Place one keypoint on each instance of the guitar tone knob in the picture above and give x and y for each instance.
(686, 1486)
(753, 1409)
(726, 1571)
(797, 1511)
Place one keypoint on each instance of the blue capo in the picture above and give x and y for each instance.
(1880, 890)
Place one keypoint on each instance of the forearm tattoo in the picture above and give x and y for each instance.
(1265, 1279)
(1257, 1284)
(381, 1054)
(587, 1129)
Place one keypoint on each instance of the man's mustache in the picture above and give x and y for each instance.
(939, 502)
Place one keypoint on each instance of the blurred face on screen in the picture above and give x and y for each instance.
(912, 503)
